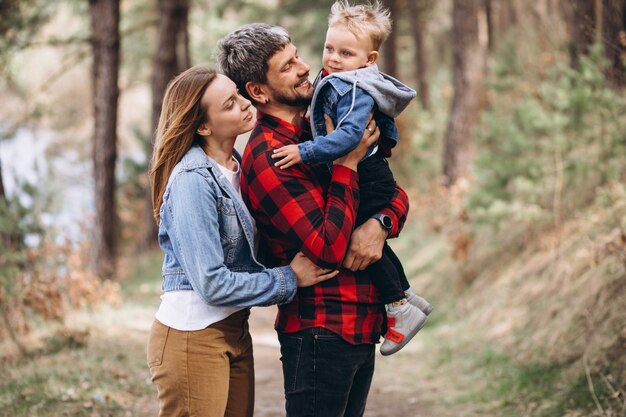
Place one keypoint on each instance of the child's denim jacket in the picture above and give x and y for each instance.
(207, 235)
(349, 98)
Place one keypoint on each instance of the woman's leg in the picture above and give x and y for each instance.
(193, 371)
(241, 392)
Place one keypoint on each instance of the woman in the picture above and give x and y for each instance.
(199, 350)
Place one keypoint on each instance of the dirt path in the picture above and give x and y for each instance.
(394, 389)
(109, 377)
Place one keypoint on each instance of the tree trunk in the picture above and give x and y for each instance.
(614, 40)
(171, 58)
(3, 195)
(468, 61)
(417, 10)
(582, 29)
(390, 47)
(509, 15)
(106, 50)
(491, 33)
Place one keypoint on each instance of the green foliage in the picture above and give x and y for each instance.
(102, 379)
(18, 221)
(307, 24)
(20, 20)
(548, 142)
(416, 161)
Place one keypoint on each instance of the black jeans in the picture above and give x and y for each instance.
(377, 186)
(324, 375)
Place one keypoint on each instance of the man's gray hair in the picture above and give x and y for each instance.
(243, 55)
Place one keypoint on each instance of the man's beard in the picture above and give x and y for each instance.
(295, 100)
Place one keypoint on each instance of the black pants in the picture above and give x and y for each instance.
(324, 375)
(377, 186)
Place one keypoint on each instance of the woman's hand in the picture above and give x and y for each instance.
(370, 136)
(308, 273)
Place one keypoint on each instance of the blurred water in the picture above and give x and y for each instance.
(64, 182)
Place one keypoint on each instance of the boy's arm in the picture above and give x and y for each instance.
(367, 240)
(351, 119)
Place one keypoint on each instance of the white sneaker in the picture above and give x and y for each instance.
(403, 323)
(420, 303)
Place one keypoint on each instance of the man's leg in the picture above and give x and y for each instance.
(360, 389)
(325, 376)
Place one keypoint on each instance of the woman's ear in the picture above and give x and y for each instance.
(371, 58)
(257, 92)
(204, 130)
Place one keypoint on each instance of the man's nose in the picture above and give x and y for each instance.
(304, 67)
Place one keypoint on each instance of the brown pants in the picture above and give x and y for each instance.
(204, 373)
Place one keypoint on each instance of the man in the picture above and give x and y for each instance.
(328, 332)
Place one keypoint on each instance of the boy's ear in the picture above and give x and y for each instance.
(371, 58)
(257, 92)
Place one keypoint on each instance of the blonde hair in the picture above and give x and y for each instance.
(371, 20)
(181, 116)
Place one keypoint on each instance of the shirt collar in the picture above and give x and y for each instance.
(285, 128)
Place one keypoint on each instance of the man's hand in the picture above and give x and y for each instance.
(366, 245)
(370, 136)
(289, 155)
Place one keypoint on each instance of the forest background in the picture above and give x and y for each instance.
(514, 156)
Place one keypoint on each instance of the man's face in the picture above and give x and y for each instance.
(288, 78)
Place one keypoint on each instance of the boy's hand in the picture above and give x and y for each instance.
(290, 156)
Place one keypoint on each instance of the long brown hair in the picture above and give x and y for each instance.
(181, 115)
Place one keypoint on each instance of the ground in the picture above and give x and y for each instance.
(94, 365)
(387, 391)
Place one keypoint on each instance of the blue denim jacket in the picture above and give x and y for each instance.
(206, 233)
(349, 98)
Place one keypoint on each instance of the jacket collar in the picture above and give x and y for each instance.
(196, 158)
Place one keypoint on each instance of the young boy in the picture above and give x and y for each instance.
(348, 90)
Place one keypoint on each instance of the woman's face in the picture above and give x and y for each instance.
(228, 113)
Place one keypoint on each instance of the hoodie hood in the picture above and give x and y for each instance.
(391, 96)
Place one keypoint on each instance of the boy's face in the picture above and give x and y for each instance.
(344, 51)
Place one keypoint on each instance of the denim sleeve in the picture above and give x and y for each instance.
(351, 119)
(195, 235)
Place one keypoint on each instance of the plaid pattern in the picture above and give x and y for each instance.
(307, 208)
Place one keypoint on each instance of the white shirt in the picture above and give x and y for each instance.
(186, 310)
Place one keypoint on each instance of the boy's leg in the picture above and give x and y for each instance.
(384, 275)
(324, 375)
(376, 186)
(393, 258)
(413, 298)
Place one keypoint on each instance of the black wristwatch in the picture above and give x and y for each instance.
(385, 221)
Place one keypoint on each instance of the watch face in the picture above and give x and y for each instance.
(386, 221)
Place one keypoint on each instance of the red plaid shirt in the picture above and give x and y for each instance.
(307, 208)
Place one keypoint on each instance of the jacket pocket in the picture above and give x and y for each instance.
(156, 343)
(231, 232)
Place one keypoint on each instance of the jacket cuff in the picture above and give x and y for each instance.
(288, 284)
(306, 152)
